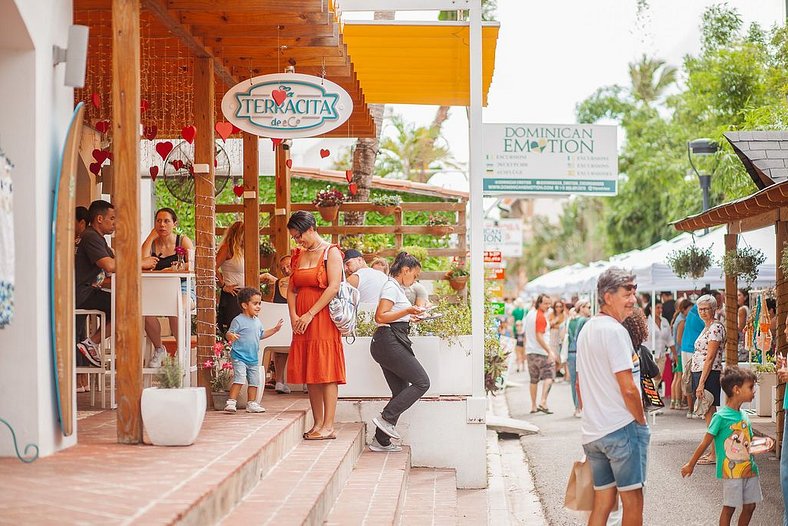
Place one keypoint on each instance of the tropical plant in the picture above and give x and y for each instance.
(455, 321)
(743, 263)
(650, 78)
(170, 374)
(328, 197)
(691, 261)
(220, 366)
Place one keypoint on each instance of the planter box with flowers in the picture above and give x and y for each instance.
(385, 204)
(458, 277)
(328, 202)
(221, 369)
(439, 226)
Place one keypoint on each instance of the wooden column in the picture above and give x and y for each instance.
(251, 211)
(204, 214)
(282, 209)
(781, 230)
(731, 305)
(125, 146)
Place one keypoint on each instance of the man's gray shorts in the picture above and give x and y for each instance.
(737, 492)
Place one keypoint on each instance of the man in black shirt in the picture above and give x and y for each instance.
(668, 305)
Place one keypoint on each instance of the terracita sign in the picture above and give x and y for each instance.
(287, 105)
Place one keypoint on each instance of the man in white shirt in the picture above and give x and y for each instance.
(615, 433)
(368, 281)
(541, 359)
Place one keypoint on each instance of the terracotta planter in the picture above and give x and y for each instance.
(266, 261)
(369, 256)
(441, 230)
(384, 210)
(219, 399)
(458, 283)
(328, 213)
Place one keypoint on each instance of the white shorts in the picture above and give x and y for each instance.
(737, 492)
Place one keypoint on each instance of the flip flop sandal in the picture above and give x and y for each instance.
(544, 410)
(313, 435)
(706, 461)
(330, 436)
(534, 411)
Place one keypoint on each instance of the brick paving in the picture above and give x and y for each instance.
(430, 499)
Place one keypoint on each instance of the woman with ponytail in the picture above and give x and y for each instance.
(392, 349)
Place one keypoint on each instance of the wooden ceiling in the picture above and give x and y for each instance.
(245, 37)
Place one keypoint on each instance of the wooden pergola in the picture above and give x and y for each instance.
(172, 61)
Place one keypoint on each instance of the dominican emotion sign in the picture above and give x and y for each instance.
(287, 105)
(528, 159)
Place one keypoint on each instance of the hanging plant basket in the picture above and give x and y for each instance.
(691, 261)
(267, 254)
(385, 210)
(386, 204)
(743, 263)
(441, 230)
(328, 213)
(458, 278)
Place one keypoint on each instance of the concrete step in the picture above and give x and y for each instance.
(430, 498)
(374, 493)
(303, 486)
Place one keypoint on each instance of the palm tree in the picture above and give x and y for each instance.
(650, 78)
(412, 152)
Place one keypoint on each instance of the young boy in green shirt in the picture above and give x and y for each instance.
(731, 432)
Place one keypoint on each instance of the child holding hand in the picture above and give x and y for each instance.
(246, 331)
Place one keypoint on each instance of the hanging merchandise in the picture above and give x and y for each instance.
(6, 242)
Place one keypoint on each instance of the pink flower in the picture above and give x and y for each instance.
(227, 365)
(180, 251)
(218, 347)
(208, 364)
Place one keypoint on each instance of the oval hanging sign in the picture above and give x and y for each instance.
(287, 105)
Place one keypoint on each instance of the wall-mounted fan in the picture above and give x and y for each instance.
(179, 171)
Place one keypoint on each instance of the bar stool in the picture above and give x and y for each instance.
(107, 367)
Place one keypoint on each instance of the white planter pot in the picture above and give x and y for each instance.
(764, 402)
(173, 417)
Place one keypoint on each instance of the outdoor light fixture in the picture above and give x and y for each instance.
(702, 147)
(287, 143)
(75, 56)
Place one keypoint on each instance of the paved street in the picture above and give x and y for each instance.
(670, 500)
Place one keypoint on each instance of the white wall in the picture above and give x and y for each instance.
(35, 109)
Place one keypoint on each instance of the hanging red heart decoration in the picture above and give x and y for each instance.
(95, 98)
(177, 164)
(275, 143)
(154, 173)
(289, 163)
(224, 129)
(150, 132)
(279, 96)
(109, 155)
(100, 156)
(236, 129)
(102, 126)
(353, 187)
(324, 153)
(349, 175)
(95, 168)
(238, 190)
(144, 105)
(189, 133)
(164, 149)
(215, 162)
(190, 167)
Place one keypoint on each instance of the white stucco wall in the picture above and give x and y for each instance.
(35, 108)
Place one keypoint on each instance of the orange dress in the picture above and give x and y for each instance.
(317, 356)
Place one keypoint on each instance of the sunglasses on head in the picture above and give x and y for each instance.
(630, 287)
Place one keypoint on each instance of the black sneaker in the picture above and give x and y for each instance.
(90, 352)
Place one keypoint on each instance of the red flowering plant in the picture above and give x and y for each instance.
(328, 197)
(220, 365)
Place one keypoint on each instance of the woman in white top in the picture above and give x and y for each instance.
(392, 349)
(230, 273)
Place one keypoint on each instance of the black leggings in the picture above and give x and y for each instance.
(227, 310)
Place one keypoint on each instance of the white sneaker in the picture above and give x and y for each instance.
(158, 357)
(282, 388)
(253, 407)
(689, 414)
(230, 406)
(391, 448)
(90, 351)
(386, 427)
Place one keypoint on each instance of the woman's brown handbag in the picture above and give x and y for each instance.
(580, 489)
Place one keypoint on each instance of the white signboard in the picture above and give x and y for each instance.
(528, 159)
(287, 105)
(505, 235)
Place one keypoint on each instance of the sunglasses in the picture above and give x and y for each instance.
(630, 287)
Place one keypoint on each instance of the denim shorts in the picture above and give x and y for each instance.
(619, 458)
(245, 373)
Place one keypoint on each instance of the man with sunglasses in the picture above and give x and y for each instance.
(615, 433)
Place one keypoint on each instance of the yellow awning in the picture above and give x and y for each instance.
(417, 63)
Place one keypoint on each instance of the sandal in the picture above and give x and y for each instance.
(313, 435)
(544, 410)
(706, 461)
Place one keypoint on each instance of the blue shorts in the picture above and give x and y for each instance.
(245, 373)
(619, 458)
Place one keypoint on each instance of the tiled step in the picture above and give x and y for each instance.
(472, 507)
(374, 493)
(302, 488)
(430, 498)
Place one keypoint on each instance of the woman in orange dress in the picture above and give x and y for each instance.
(316, 355)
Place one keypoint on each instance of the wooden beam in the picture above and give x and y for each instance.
(248, 6)
(204, 214)
(251, 211)
(781, 230)
(228, 19)
(754, 223)
(125, 147)
(731, 306)
(283, 196)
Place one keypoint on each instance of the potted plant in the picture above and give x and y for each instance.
(691, 261)
(743, 263)
(458, 277)
(385, 204)
(171, 415)
(221, 369)
(439, 225)
(327, 202)
(767, 378)
(266, 255)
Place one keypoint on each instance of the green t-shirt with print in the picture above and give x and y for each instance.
(732, 436)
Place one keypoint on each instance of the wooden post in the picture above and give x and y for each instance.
(125, 146)
(282, 208)
(251, 211)
(731, 305)
(204, 214)
(781, 292)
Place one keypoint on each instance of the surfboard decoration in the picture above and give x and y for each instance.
(61, 277)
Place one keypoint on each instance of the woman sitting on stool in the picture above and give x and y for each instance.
(392, 349)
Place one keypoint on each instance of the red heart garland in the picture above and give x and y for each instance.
(100, 156)
(279, 96)
(177, 164)
(224, 129)
(109, 155)
(95, 168)
(164, 149)
(353, 188)
(189, 133)
(238, 190)
(144, 105)
(324, 153)
(289, 163)
(275, 143)
(102, 126)
(154, 173)
(150, 132)
(96, 100)
(349, 175)
(236, 129)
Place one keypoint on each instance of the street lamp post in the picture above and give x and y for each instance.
(702, 147)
